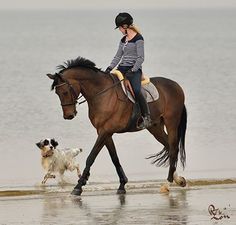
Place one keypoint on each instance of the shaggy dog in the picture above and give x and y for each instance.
(57, 161)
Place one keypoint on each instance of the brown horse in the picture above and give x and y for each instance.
(110, 112)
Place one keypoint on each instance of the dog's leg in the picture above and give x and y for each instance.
(44, 179)
(48, 175)
(78, 171)
(63, 181)
(72, 167)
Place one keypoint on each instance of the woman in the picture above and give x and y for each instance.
(129, 58)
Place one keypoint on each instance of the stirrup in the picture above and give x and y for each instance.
(147, 122)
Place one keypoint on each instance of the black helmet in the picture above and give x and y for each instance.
(123, 18)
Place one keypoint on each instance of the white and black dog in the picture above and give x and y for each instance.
(57, 161)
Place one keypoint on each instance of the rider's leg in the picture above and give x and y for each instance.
(135, 80)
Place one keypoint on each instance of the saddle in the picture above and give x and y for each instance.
(147, 87)
(149, 92)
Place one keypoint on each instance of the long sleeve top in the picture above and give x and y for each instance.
(130, 53)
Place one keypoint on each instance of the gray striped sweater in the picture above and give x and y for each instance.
(130, 53)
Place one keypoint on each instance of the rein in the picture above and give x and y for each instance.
(108, 88)
(73, 93)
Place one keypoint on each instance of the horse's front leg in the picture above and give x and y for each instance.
(89, 162)
(114, 157)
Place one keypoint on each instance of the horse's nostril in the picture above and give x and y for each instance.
(70, 117)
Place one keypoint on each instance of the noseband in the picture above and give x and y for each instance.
(72, 93)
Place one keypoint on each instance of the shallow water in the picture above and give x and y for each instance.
(194, 47)
(141, 205)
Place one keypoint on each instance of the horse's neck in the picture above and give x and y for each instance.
(92, 83)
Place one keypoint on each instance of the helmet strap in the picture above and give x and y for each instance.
(125, 27)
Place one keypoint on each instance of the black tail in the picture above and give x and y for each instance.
(181, 136)
(162, 158)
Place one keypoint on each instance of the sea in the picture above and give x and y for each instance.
(195, 47)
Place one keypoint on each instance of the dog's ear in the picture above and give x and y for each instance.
(54, 143)
(39, 144)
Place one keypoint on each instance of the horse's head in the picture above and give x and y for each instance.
(68, 92)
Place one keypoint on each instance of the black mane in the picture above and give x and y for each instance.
(78, 62)
(73, 63)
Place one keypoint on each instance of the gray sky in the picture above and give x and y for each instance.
(111, 4)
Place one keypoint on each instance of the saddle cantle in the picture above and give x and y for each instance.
(150, 93)
(148, 89)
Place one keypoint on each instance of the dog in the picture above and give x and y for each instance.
(57, 161)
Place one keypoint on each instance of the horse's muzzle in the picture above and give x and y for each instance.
(70, 116)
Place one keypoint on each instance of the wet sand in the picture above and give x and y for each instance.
(143, 204)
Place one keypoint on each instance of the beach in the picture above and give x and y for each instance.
(194, 47)
(143, 204)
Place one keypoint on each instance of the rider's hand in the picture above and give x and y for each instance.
(108, 69)
(129, 72)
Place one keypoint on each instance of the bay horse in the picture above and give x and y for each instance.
(110, 111)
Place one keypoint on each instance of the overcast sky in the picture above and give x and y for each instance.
(113, 4)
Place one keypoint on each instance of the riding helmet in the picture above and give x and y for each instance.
(123, 18)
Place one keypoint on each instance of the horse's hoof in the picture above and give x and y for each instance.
(165, 188)
(121, 191)
(181, 181)
(76, 192)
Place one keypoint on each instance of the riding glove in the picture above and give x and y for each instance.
(108, 69)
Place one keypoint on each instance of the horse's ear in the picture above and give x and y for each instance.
(51, 76)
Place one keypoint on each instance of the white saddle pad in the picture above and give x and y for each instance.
(149, 91)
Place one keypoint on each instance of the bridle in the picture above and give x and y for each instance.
(73, 94)
(75, 98)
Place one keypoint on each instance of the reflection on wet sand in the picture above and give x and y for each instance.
(147, 206)
(112, 216)
(176, 210)
(83, 208)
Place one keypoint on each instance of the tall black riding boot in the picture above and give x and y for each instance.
(144, 111)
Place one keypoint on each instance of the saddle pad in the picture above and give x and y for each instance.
(148, 89)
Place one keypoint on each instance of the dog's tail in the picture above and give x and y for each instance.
(76, 151)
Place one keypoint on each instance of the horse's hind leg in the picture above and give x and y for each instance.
(158, 132)
(114, 157)
(173, 152)
(169, 154)
(162, 157)
(173, 139)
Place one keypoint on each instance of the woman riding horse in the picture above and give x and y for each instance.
(130, 56)
(110, 112)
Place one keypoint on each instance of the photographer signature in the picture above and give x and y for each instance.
(216, 213)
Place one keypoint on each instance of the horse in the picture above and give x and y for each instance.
(109, 111)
